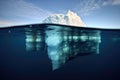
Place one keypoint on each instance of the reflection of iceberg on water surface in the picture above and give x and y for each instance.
(63, 43)
(34, 39)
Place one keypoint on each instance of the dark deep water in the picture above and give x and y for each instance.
(57, 52)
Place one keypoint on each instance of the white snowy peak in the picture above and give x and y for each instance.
(70, 18)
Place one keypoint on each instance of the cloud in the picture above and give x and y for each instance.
(116, 2)
(21, 10)
(87, 7)
(111, 2)
(7, 23)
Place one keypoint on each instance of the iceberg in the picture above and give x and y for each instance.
(70, 18)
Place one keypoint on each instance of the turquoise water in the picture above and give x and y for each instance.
(51, 51)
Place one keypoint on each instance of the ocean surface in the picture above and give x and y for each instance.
(59, 52)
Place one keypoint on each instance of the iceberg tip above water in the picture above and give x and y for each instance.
(70, 18)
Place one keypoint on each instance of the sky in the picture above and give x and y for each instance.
(94, 13)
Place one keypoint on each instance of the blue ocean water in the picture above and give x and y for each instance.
(59, 52)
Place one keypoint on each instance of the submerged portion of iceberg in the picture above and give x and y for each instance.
(63, 43)
(70, 18)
